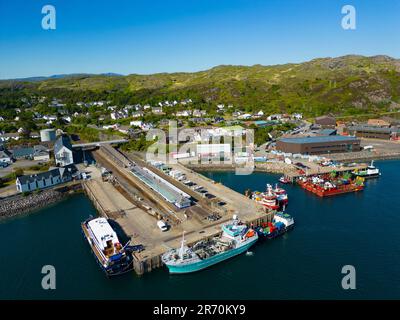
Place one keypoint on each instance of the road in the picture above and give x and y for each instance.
(18, 164)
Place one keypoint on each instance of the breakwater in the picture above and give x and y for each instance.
(364, 156)
(269, 167)
(21, 204)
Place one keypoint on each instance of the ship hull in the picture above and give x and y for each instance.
(203, 264)
(334, 192)
(274, 234)
(368, 176)
(118, 267)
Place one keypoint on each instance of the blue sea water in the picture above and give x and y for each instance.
(360, 229)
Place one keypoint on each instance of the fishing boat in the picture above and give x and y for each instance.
(281, 195)
(268, 199)
(113, 258)
(370, 172)
(281, 223)
(236, 238)
(284, 180)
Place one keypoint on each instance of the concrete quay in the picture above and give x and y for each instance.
(136, 208)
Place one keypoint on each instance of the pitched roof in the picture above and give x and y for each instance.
(63, 141)
(23, 152)
(61, 172)
(39, 176)
(4, 154)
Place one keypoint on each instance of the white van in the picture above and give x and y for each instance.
(162, 225)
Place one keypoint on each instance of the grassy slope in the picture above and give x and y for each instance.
(345, 85)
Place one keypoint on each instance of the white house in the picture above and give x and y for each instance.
(5, 156)
(111, 126)
(136, 123)
(41, 153)
(157, 110)
(245, 116)
(67, 119)
(297, 116)
(184, 113)
(137, 114)
(63, 151)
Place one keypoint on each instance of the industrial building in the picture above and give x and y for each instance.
(165, 189)
(47, 135)
(373, 132)
(212, 150)
(318, 144)
(325, 122)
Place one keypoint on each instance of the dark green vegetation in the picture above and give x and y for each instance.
(261, 135)
(346, 86)
(138, 144)
(10, 178)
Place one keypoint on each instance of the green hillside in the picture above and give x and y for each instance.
(344, 86)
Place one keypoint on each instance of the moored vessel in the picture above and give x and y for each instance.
(112, 257)
(236, 238)
(281, 195)
(281, 223)
(284, 180)
(370, 172)
(268, 199)
(329, 187)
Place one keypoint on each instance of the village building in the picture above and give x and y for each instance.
(43, 180)
(318, 145)
(325, 122)
(63, 153)
(5, 156)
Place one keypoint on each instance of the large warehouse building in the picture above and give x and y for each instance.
(373, 132)
(318, 144)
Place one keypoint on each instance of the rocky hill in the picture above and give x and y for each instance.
(345, 85)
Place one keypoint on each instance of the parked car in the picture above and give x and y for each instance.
(3, 164)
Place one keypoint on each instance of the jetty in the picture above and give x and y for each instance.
(136, 205)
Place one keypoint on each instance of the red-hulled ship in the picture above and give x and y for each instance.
(281, 195)
(324, 188)
(268, 199)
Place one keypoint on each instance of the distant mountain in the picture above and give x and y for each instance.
(345, 85)
(62, 76)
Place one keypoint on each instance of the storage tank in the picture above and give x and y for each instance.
(47, 135)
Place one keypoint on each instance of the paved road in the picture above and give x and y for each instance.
(17, 164)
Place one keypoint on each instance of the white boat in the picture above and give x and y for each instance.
(370, 172)
(109, 252)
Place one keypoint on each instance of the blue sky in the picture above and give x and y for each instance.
(149, 36)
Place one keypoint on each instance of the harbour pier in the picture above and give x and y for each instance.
(136, 205)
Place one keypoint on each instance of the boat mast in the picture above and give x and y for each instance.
(181, 250)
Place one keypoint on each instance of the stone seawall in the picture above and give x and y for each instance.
(21, 204)
(270, 167)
